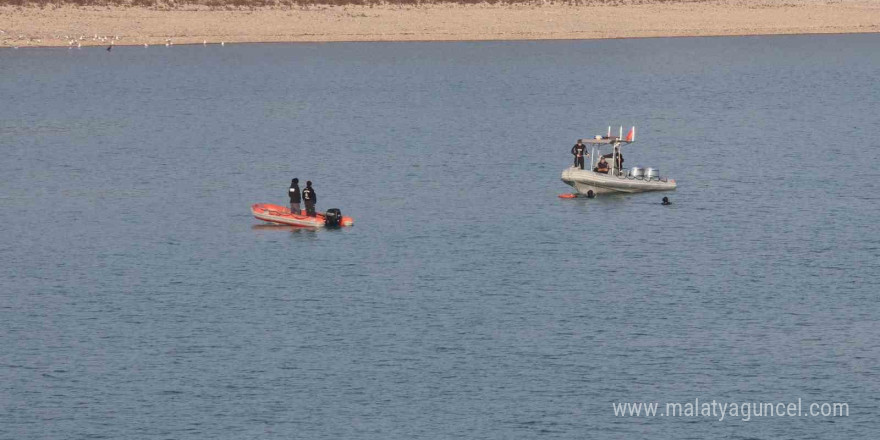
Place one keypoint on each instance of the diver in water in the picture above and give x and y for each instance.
(666, 201)
(579, 151)
(310, 198)
(295, 198)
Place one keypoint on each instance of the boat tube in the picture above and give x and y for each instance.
(268, 212)
(584, 181)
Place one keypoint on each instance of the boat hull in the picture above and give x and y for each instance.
(281, 215)
(584, 181)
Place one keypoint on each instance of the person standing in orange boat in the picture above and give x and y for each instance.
(295, 198)
(310, 198)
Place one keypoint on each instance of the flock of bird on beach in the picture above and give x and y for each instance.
(102, 39)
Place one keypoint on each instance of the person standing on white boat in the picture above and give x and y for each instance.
(295, 198)
(310, 198)
(579, 150)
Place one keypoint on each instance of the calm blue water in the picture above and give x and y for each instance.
(139, 298)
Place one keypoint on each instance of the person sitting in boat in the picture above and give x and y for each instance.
(310, 198)
(579, 151)
(602, 166)
(295, 198)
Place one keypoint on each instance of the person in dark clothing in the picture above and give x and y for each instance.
(602, 166)
(579, 151)
(310, 198)
(619, 161)
(295, 198)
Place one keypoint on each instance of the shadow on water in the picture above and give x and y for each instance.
(292, 229)
(296, 230)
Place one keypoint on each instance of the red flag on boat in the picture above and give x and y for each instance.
(631, 136)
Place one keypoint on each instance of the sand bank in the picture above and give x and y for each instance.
(70, 25)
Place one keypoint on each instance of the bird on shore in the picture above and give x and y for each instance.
(223, 43)
(146, 45)
(109, 48)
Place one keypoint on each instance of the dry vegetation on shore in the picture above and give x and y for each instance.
(148, 22)
(174, 4)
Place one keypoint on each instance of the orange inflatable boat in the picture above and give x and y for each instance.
(282, 215)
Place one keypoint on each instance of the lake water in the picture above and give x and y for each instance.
(140, 299)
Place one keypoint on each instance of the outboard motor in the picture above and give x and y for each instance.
(332, 218)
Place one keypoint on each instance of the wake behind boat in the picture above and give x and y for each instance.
(282, 215)
(604, 177)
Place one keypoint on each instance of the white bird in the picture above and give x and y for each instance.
(78, 45)
(146, 45)
(205, 43)
(223, 43)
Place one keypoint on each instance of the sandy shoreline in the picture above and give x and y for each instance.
(68, 25)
